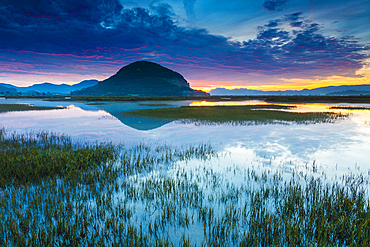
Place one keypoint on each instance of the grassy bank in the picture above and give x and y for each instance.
(255, 114)
(151, 195)
(24, 107)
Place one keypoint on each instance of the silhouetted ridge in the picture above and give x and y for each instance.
(142, 78)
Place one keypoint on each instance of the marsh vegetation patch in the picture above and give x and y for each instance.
(25, 107)
(350, 108)
(256, 114)
(31, 157)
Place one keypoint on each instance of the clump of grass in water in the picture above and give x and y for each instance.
(350, 108)
(32, 157)
(238, 115)
(265, 210)
(144, 157)
(24, 107)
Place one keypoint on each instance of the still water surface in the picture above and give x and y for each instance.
(337, 147)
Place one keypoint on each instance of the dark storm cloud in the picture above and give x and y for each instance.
(274, 5)
(86, 34)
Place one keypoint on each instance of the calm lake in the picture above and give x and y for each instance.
(336, 147)
(260, 176)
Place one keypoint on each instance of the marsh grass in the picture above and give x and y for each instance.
(32, 157)
(148, 195)
(350, 108)
(238, 115)
(24, 107)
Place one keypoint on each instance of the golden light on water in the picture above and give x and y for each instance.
(228, 103)
(311, 107)
(314, 107)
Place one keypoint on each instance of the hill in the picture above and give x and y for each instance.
(7, 90)
(349, 93)
(142, 78)
(47, 87)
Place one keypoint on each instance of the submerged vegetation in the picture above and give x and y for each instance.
(24, 107)
(147, 195)
(255, 114)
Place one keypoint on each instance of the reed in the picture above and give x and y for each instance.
(148, 195)
(31, 157)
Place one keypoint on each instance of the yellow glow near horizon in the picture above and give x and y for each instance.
(283, 84)
(293, 84)
(299, 84)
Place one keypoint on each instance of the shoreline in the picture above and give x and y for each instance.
(267, 98)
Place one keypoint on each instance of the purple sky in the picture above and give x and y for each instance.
(254, 44)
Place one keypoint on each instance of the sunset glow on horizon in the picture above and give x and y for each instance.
(290, 84)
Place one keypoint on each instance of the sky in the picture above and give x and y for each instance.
(259, 44)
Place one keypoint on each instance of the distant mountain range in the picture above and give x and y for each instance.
(345, 90)
(7, 89)
(142, 78)
(47, 88)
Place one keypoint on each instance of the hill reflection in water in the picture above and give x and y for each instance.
(138, 123)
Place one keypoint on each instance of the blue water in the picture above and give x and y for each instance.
(335, 147)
